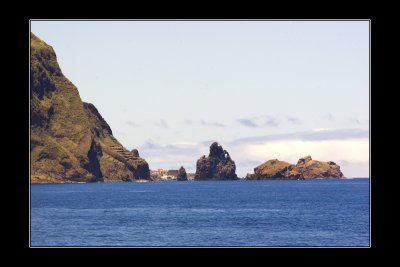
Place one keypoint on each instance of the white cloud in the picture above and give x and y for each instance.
(185, 144)
(349, 150)
(321, 129)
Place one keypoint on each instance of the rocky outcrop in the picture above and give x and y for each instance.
(70, 140)
(317, 169)
(217, 166)
(276, 170)
(135, 153)
(182, 176)
(306, 168)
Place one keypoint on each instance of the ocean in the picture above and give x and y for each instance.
(330, 212)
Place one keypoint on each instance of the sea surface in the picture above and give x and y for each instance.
(202, 213)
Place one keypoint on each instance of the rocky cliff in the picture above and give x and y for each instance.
(70, 140)
(310, 168)
(182, 176)
(306, 168)
(276, 170)
(217, 166)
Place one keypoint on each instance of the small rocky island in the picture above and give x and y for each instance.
(217, 166)
(182, 176)
(306, 168)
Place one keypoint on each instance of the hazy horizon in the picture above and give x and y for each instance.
(261, 89)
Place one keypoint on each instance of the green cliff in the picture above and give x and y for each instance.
(70, 141)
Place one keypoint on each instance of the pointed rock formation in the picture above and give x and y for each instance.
(70, 140)
(306, 168)
(182, 176)
(217, 166)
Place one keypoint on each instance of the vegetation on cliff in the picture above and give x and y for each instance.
(70, 140)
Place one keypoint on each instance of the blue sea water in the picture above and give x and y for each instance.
(202, 213)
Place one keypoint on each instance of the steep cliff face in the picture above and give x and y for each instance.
(70, 140)
(306, 168)
(217, 166)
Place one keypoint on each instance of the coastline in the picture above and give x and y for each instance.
(57, 181)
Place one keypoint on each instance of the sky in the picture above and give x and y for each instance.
(261, 89)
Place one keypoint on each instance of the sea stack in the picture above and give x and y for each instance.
(217, 166)
(306, 168)
(182, 176)
(70, 140)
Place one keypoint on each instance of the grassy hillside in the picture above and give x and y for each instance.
(70, 141)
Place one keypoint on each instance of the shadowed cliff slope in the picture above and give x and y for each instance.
(70, 140)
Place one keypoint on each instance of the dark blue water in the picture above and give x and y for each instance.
(231, 213)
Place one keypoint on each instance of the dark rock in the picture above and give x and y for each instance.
(93, 166)
(216, 150)
(135, 153)
(103, 125)
(217, 166)
(181, 176)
